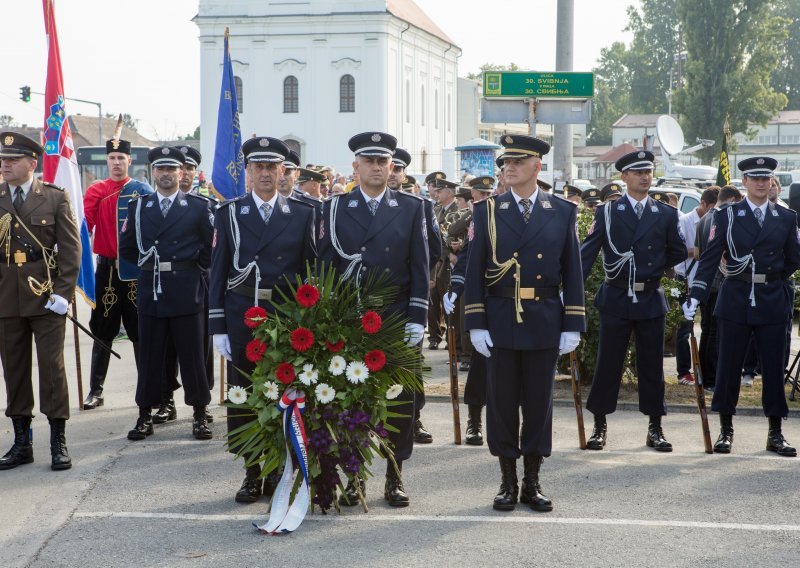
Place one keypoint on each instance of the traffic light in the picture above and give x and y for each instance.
(25, 94)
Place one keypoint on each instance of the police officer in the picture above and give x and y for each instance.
(105, 207)
(610, 192)
(382, 230)
(273, 236)
(38, 271)
(762, 248)
(639, 237)
(168, 235)
(523, 247)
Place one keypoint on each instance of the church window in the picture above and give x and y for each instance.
(290, 94)
(347, 94)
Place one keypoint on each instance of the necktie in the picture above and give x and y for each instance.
(266, 210)
(639, 208)
(373, 206)
(759, 216)
(165, 206)
(526, 209)
(18, 199)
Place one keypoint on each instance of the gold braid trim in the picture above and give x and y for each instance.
(5, 236)
(132, 290)
(39, 288)
(494, 275)
(110, 296)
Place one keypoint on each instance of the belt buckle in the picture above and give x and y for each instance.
(760, 278)
(20, 257)
(165, 266)
(638, 286)
(527, 293)
(265, 294)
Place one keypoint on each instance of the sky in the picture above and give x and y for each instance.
(113, 52)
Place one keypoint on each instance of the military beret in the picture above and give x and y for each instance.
(166, 157)
(518, 146)
(638, 160)
(118, 145)
(433, 176)
(377, 144)
(401, 157)
(193, 157)
(14, 145)
(758, 166)
(609, 190)
(264, 149)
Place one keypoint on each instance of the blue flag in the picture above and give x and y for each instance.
(227, 178)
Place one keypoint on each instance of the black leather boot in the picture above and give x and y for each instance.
(725, 441)
(271, 482)
(144, 425)
(531, 493)
(506, 498)
(597, 441)
(58, 445)
(474, 436)
(421, 435)
(22, 450)
(200, 429)
(655, 436)
(250, 490)
(393, 491)
(135, 345)
(350, 496)
(775, 440)
(166, 412)
(97, 375)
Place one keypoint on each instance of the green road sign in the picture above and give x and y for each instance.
(517, 84)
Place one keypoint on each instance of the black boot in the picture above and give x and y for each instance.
(393, 491)
(22, 450)
(135, 345)
(775, 440)
(271, 483)
(655, 436)
(474, 436)
(597, 441)
(200, 429)
(421, 435)
(166, 411)
(58, 445)
(250, 490)
(144, 425)
(350, 496)
(531, 493)
(97, 375)
(725, 441)
(506, 498)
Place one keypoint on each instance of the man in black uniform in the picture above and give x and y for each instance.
(272, 236)
(308, 181)
(382, 230)
(523, 248)
(640, 238)
(287, 181)
(761, 244)
(610, 192)
(168, 234)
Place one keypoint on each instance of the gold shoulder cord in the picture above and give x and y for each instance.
(5, 236)
(493, 275)
(38, 288)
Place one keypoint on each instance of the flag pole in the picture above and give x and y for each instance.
(77, 354)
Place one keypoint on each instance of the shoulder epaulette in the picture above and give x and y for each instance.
(562, 198)
(334, 196)
(414, 195)
(233, 200)
(54, 186)
(294, 199)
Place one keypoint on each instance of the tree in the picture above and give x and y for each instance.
(6, 121)
(127, 120)
(733, 48)
(193, 136)
(611, 92)
(786, 77)
(491, 67)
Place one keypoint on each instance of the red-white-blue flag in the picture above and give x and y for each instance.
(59, 163)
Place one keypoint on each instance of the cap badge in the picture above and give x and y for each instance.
(8, 140)
(376, 137)
(439, 176)
(641, 155)
(593, 193)
(165, 151)
(487, 180)
(509, 140)
(760, 161)
(184, 149)
(115, 143)
(614, 186)
(263, 142)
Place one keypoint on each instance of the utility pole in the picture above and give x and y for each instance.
(562, 133)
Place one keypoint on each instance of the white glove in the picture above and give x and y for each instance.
(481, 341)
(57, 304)
(569, 341)
(223, 345)
(414, 333)
(449, 302)
(689, 308)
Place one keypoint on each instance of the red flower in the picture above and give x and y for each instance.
(285, 373)
(334, 347)
(307, 295)
(371, 322)
(375, 360)
(255, 316)
(302, 339)
(255, 350)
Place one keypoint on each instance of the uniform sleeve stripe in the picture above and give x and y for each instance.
(468, 306)
(215, 316)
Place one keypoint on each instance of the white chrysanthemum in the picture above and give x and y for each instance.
(357, 372)
(337, 365)
(675, 293)
(309, 376)
(271, 390)
(394, 391)
(237, 395)
(324, 393)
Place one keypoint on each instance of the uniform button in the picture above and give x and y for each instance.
(536, 298)
(515, 277)
(649, 247)
(538, 277)
(280, 258)
(539, 255)
(769, 268)
(649, 264)
(516, 254)
(386, 270)
(255, 257)
(771, 253)
(155, 242)
(44, 222)
(16, 225)
(387, 249)
(363, 249)
(174, 258)
(174, 242)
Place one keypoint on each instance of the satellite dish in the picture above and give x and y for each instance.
(670, 135)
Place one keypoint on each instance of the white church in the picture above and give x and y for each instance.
(315, 72)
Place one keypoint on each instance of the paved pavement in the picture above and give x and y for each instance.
(168, 501)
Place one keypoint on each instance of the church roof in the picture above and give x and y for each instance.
(408, 11)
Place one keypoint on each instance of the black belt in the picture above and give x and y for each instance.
(106, 261)
(171, 266)
(623, 284)
(249, 291)
(524, 293)
(759, 278)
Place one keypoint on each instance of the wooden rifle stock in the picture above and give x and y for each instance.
(453, 365)
(699, 391)
(576, 394)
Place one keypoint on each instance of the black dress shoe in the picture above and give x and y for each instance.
(433, 345)
(531, 493)
(474, 436)
(21, 452)
(597, 441)
(250, 490)
(724, 443)
(200, 429)
(775, 440)
(421, 435)
(464, 366)
(507, 496)
(166, 412)
(143, 429)
(350, 496)
(393, 491)
(58, 445)
(655, 436)
(93, 401)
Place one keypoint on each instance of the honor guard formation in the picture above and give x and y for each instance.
(495, 260)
